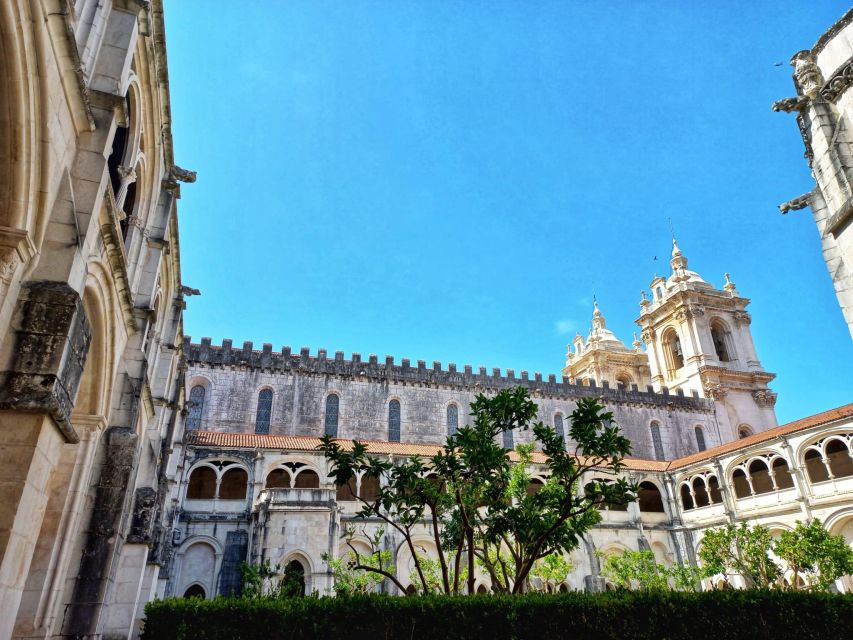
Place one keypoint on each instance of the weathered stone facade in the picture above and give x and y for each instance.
(823, 77)
(90, 314)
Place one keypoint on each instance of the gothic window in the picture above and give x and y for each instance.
(656, 440)
(332, 404)
(202, 484)
(233, 484)
(700, 438)
(558, 425)
(293, 582)
(649, 498)
(452, 419)
(262, 417)
(196, 406)
(394, 421)
(507, 440)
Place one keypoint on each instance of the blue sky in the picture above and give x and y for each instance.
(454, 181)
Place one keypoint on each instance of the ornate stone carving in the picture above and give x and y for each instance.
(839, 82)
(804, 133)
(15, 249)
(764, 398)
(694, 312)
(790, 105)
(742, 317)
(715, 390)
(807, 74)
(800, 202)
(182, 175)
(648, 336)
(9, 263)
(144, 511)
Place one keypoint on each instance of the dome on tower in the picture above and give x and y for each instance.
(600, 334)
(680, 272)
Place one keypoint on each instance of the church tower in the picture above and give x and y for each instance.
(604, 358)
(698, 339)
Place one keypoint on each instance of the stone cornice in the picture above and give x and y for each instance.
(839, 82)
(114, 246)
(833, 31)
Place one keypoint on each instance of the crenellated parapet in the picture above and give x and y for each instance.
(355, 367)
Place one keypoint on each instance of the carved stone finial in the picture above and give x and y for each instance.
(183, 175)
(729, 286)
(807, 74)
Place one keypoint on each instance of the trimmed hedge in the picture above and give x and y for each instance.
(715, 615)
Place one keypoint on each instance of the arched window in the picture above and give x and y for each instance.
(262, 417)
(700, 492)
(195, 591)
(623, 381)
(744, 431)
(714, 490)
(507, 439)
(674, 353)
(840, 462)
(700, 438)
(278, 479)
(369, 487)
(332, 404)
(558, 425)
(233, 484)
(686, 498)
(452, 419)
(741, 484)
(720, 338)
(654, 427)
(759, 474)
(293, 582)
(649, 498)
(202, 484)
(534, 486)
(782, 474)
(816, 468)
(307, 479)
(394, 421)
(347, 492)
(195, 408)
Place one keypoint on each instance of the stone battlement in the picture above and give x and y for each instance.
(355, 367)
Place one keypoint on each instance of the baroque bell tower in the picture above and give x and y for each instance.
(698, 339)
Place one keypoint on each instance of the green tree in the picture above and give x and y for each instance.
(634, 570)
(740, 550)
(811, 552)
(475, 502)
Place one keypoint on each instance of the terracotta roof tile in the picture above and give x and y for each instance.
(310, 443)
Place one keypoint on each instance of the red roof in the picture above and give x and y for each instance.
(310, 443)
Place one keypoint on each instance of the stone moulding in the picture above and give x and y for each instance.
(838, 83)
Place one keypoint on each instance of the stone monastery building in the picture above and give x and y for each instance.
(136, 464)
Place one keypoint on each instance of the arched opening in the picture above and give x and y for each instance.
(623, 381)
(534, 486)
(202, 484)
(744, 431)
(369, 487)
(721, 338)
(128, 207)
(394, 421)
(233, 484)
(674, 352)
(714, 490)
(411, 591)
(278, 479)
(649, 498)
(195, 406)
(741, 484)
(656, 440)
(840, 462)
(119, 149)
(782, 474)
(563, 588)
(195, 591)
(307, 479)
(815, 467)
(700, 493)
(264, 412)
(686, 498)
(452, 419)
(700, 438)
(760, 476)
(558, 425)
(482, 589)
(293, 582)
(347, 492)
(331, 422)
